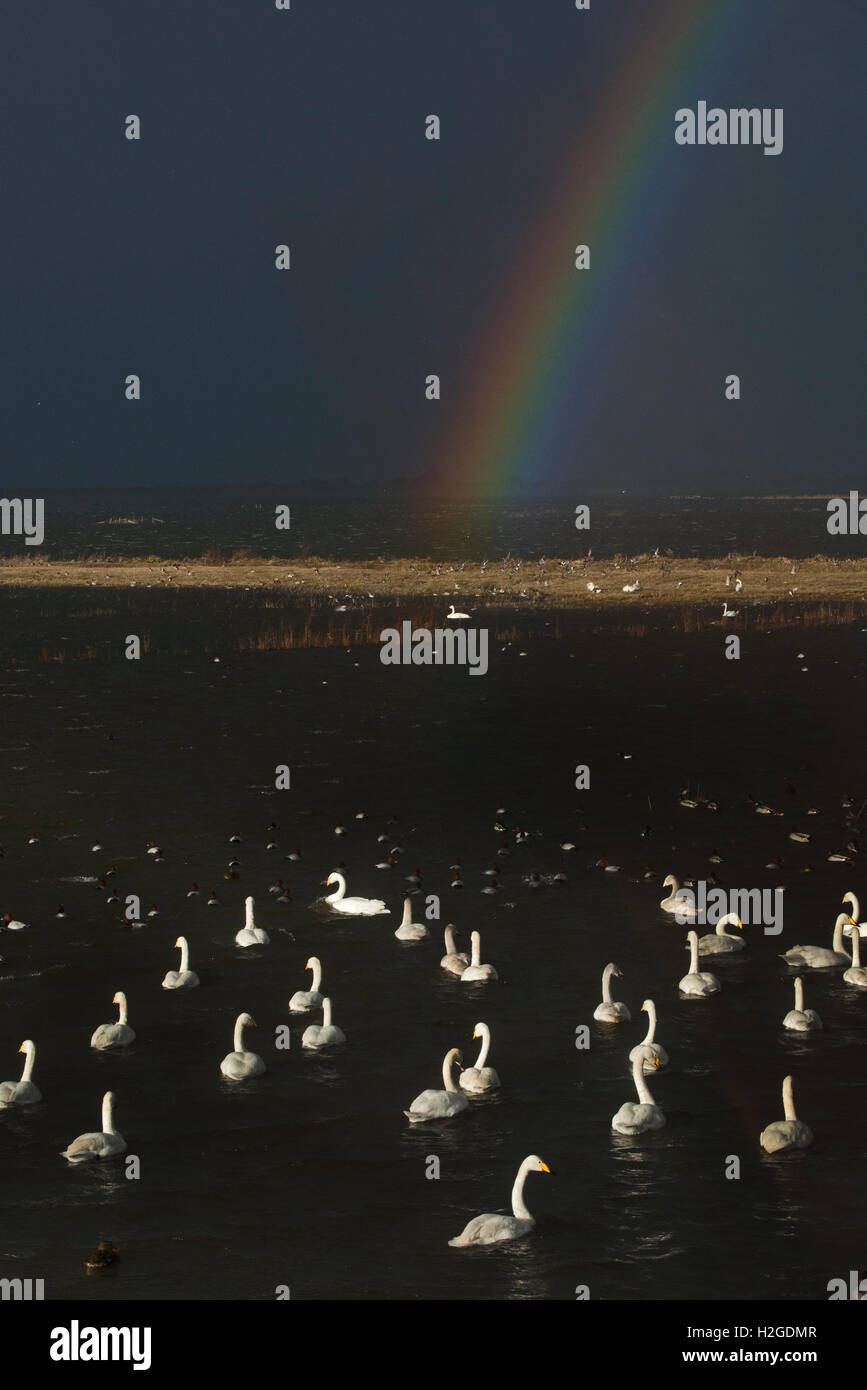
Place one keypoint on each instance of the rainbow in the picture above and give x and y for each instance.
(504, 429)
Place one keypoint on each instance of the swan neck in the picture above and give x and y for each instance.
(519, 1206)
(107, 1116)
(326, 1013)
(641, 1085)
(340, 890)
(693, 956)
(606, 984)
(837, 944)
(121, 1008)
(248, 914)
(799, 995)
(476, 949)
(185, 955)
(406, 920)
(651, 1021)
(856, 946)
(450, 942)
(29, 1061)
(485, 1034)
(788, 1100)
(317, 975)
(239, 1035)
(448, 1081)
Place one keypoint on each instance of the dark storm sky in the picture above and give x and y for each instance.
(260, 127)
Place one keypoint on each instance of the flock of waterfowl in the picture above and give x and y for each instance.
(459, 1085)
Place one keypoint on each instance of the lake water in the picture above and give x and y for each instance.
(309, 1176)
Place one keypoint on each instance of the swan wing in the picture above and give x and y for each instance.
(491, 1227)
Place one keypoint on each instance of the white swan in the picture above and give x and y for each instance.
(185, 978)
(697, 983)
(408, 929)
(790, 1133)
(105, 1144)
(729, 612)
(480, 1078)
(675, 902)
(439, 1105)
(799, 1019)
(452, 615)
(659, 1056)
(355, 907)
(240, 1064)
(475, 970)
(632, 1118)
(856, 974)
(820, 957)
(21, 1092)
(325, 1034)
(114, 1034)
(250, 934)
(719, 943)
(610, 1011)
(454, 961)
(856, 913)
(492, 1227)
(303, 1001)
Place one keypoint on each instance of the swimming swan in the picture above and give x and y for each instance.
(324, 1035)
(303, 1001)
(185, 978)
(480, 1078)
(610, 1011)
(819, 957)
(454, 961)
(697, 983)
(250, 934)
(675, 902)
(439, 1105)
(659, 1056)
(408, 929)
(632, 1118)
(475, 970)
(355, 907)
(452, 615)
(106, 1144)
(114, 1034)
(856, 974)
(799, 1019)
(492, 1227)
(719, 943)
(790, 1133)
(239, 1064)
(21, 1092)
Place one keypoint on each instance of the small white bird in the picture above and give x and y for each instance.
(453, 616)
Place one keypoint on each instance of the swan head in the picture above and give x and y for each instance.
(648, 1054)
(312, 963)
(535, 1164)
(27, 1046)
(614, 970)
(248, 902)
(480, 1030)
(248, 1020)
(690, 938)
(119, 998)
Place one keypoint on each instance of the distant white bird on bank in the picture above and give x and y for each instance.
(631, 588)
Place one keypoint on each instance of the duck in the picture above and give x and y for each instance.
(440, 1105)
(250, 934)
(454, 961)
(12, 924)
(492, 1228)
(240, 1064)
(103, 1257)
(304, 1001)
(22, 1092)
(611, 1010)
(788, 1133)
(476, 971)
(697, 984)
(408, 929)
(324, 1035)
(106, 1143)
(353, 907)
(119, 1034)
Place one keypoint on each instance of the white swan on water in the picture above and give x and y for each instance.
(454, 961)
(719, 943)
(799, 1019)
(611, 1010)
(632, 1118)
(250, 934)
(452, 616)
(492, 1227)
(480, 1078)
(856, 913)
(820, 957)
(303, 1001)
(658, 1055)
(104, 1144)
(185, 978)
(325, 1034)
(856, 974)
(675, 902)
(240, 1064)
(354, 907)
(114, 1034)
(698, 983)
(789, 1133)
(22, 1092)
(440, 1105)
(476, 970)
(408, 929)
